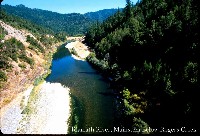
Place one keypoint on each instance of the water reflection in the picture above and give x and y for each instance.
(61, 52)
(88, 87)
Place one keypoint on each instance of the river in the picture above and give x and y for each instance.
(92, 99)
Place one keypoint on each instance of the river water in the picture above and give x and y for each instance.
(92, 99)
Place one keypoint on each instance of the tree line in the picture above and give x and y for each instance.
(71, 24)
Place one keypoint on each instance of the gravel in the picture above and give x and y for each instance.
(10, 116)
(51, 111)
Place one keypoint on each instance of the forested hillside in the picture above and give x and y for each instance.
(71, 24)
(150, 50)
(101, 15)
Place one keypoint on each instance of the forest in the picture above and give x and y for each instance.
(71, 24)
(150, 51)
(101, 15)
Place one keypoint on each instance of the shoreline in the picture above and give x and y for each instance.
(78, 50)
(11, 113)
(18, 83)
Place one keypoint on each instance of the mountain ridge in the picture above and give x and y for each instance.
(71, 23)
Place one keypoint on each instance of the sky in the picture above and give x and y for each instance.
(69, 6)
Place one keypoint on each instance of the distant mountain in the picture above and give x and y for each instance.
(101, 15)
(72, 24)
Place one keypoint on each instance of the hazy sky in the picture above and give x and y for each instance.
(70, 6)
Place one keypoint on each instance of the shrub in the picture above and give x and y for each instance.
(38, 81)
(3, 76)
(22, 65)
(129, 109)
(73, 51)
(35, 43)
(139, 124)
(27, 59)
(3, 33)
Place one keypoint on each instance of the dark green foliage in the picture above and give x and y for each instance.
(21, 23)
(139, 124)
(34, 44)
(48, 40)
(61, 36)
(22, 65)
(37, 30)
(24, 58)
(152, 48)
(101, 65)
(72, 24)
(73, 51)
(101, 15)
(2, 33)
(3, 76)
(13, 49)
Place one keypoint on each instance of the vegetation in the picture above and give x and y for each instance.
(22, 65)
(2, 33)
(37, 30)
(150, 50)
(21, 23)
(26, 59)
(34, 44)
(73, 51)
(101, 15)
(72, 24)
(14, 50)
(3, 76)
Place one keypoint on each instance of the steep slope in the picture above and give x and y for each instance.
(151, 51)
(19, 35)
(27, 105)
(24, 57)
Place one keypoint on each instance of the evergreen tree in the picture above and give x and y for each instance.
(152, 51)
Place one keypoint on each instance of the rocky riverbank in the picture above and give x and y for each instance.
(46, 111)
(79, 50)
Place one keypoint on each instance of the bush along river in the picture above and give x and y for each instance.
(92, 100)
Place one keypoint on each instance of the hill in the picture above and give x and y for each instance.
(25, 55)
(72, 24)
(150, 51)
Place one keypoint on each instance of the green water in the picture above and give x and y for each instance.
(93, 102)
